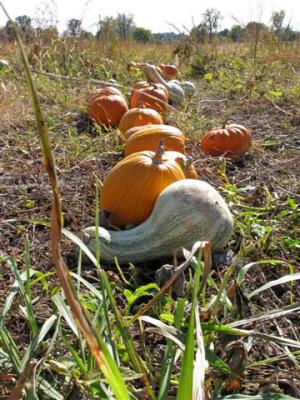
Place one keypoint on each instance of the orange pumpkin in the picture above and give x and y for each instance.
(152, 96)
(230, 140)
(106, 91)
(131, 131)
(148, 137)
(107, 110)
(170, 71)
(139, 116)
(140, 85)
(131, 188)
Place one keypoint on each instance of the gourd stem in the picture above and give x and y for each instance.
(159, 153)
(225, 123)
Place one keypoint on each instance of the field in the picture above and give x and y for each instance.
(249, 305)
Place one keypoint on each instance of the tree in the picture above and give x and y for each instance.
(142, 35)
(74, 27)
(9, 31)
(211, 20)
(254, 27)
(24, 23)
(277, 20)
(224, 32)
(237, 33)
(108, 29)
(125, 25)
(199, 33)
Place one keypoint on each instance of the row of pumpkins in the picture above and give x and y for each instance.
(154, 152)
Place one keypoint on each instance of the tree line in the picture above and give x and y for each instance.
(123, 27)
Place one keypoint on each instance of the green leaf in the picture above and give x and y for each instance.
(146, 290)
(218, 363)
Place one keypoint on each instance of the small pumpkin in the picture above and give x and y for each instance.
(107, 110)
(185, 212)
(149, 136)
(138, 117)
(231, 140)
(170, 71)
(131, 188)
(140, 85)
(151, 96)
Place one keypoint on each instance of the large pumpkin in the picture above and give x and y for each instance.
(230, 140)
(152, 96)
(131, 188)
(149, 136)
(107, 110)
(106, 91)
(138, 117)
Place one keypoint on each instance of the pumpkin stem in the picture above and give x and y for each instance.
(225, 123)
(159, 153)
(189, 162)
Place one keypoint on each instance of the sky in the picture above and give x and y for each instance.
(156, 15)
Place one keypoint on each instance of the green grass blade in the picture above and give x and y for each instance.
(264, 396)
(279, 281)
(170, 332)
(247, 267)
(12, 293)
(267, 315)
(185, 387)
(217, 363)
(200, 362)
(9, 346)
(65, 313)
(124, 332)
(37, 340)
(27, 297)
(80, 364)
(224, 329)
(170, 354)
(48, 391)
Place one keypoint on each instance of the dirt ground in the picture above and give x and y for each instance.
(272, 167)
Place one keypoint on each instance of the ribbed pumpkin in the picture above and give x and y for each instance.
(170, 71)
(140, 85)
(138, 117)
(149, 136)
(131, 188)
(230, 140)
(151, 96)
(107, 110)
(106, 91)
(132, 131)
